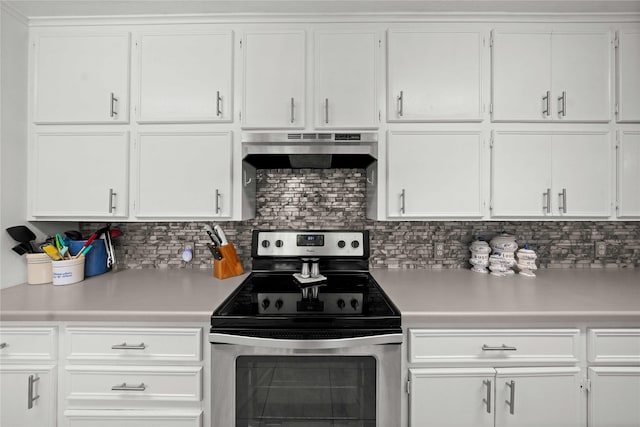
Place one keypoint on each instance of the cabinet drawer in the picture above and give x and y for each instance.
(135, 383)
(110, 418)
(28, 343)
(614, 346)
(493, 345)
(135, 344)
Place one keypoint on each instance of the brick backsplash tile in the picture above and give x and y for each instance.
(336, 199)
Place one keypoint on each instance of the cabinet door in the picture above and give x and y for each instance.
(274, 80)
(434, 76)
(581, 174)
(83, 175)
(82, 78)
(521, 175)
(28, 396)
(434, 174)
(628, 58)
(451, 397)
(629, 175)
(345, 75)
(185, 77)
(184, 175)
(528, 397)
(521, 73)
(614, 397)
(581, 70)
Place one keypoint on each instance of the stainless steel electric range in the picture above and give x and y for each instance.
(308, 338)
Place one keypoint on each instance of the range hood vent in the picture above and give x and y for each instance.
(278, 150)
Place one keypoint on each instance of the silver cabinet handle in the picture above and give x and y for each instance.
(503, 347)
(402, 201)
(125, 346)
(217, 201)
(3, 345)
(125, 387)
(487, 400)
(401, 104)
(326, 110)
(512, 397)
(547, 100)
(293, 118)
(112, 206)
(218, 104)
(563, 200)
(31, 397)
(114, 113)
(546, 201)
(562, 111)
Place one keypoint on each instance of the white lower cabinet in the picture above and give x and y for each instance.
(134, 376)
(27, 395)
(614, 376)
(28, 376)
(133, 418)
(484, 397)
(495, 377)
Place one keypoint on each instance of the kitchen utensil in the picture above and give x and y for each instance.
(212, 235)
(87, 243)
(215, 251)
(73, 235)
(52, 251)
(22, 248)
(111, 255)
(218, 232)
(22, 234)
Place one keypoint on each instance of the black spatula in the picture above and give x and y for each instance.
(22, 234)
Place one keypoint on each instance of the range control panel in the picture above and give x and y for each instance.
(311, 243)
(289, 303)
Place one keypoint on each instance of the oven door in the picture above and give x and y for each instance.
(258, 382)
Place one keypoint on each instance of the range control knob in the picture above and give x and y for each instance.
(341, 244)
(279, 243)
(265, 243)
(266, 303)
(341, 303)
(355, 244)
(279, 304)
(354, 304)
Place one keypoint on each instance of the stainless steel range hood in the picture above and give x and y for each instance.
(276, 150)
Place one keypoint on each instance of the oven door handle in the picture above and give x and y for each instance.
(217, 338)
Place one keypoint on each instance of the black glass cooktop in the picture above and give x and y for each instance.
(271, 304)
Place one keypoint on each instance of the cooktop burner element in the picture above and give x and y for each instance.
(277, 299)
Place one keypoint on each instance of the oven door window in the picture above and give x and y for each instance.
(305, 391)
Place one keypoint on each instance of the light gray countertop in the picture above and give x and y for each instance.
(422, 296)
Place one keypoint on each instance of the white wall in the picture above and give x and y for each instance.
(13, 141)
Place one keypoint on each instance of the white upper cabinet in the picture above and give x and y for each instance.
(434, 76)
(81, 77)
(345, 79)
(80, 174)
(184, 175)
(434, 174)
(545, 76)
(628, 161)
(628, 66)
(185, 77)
(581, 75)
(540, 174)
(274, 79)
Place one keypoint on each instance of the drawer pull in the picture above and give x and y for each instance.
(3, 345)
(30, 397)
(512, 397)
(487, 400)
(125, 346)
(501, 348)
(125, 387)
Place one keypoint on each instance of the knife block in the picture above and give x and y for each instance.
(229, 265)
